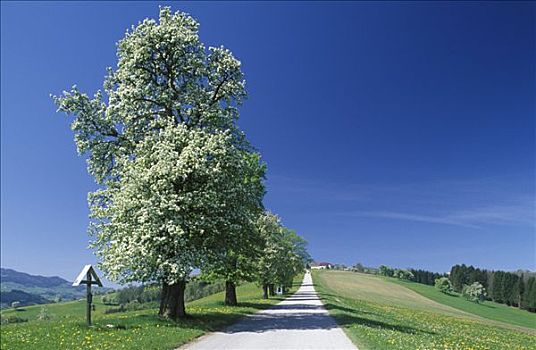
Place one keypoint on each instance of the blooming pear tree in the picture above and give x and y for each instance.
(475, 292)
(178, 180)
(269, 227)
(295, 259)
(240, 240)
(166, 213)
(283, 255)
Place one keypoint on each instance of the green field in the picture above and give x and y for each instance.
(130, 330)
(489, 309)
(379, 314)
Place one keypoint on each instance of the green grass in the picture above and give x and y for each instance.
(488, 309)
(131, 330)
(362, 305)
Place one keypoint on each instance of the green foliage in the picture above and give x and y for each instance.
(398, 273)
(504, 287)
(497, 287)
(200, 289)
(195, 289)
(109, 300)
(425, 277)
(529, 297)
(443, 285)
(113, 310)
(133, 305)
(403, 274)
(141, 294)
(147, 296)
(284, 253)
(385, 271)
(358, 267)
(474, 292)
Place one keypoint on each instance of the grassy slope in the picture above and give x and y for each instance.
(377, 314)
(133, 330)
(489, 309)
(369, 287)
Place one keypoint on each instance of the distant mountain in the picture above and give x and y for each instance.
(33, 289)
(9, 275)
(22, 297)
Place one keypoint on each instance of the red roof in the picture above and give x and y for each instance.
(323, 263)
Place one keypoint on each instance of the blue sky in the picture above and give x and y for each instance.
(395, 133)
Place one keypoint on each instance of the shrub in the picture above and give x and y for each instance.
(109, 300)
(385, 271)
(474, 292)
(403, 274)
(358, 267)
(114, 310)
(12, 319)
(443, 285)
(44, 315)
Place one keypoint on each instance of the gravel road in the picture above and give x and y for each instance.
(298, 322)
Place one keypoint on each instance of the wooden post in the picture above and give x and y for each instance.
(89, 298)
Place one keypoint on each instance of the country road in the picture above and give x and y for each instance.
(298, 322)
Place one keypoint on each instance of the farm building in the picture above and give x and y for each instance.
(321, 265)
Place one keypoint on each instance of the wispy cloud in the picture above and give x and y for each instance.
(472, 218)
(411, 217)
(474, 203)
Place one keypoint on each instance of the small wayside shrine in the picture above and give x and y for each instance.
(88, 276)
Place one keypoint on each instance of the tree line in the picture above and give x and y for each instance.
(512, 289)
(425, 277)
(180, 187)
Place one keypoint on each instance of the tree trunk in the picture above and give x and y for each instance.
(265, 291)
(271, 289)
(230, 294)
(172, 300)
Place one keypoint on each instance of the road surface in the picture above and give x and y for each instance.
(298, 322)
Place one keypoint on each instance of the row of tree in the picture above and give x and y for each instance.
(425, 277)
(419, 276)
(513, 289)
(393, 272)
(180, 186)
(474, 292)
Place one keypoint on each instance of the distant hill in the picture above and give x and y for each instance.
(22, 297)
(33, 289)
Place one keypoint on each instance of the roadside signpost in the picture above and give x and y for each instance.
(88, 276)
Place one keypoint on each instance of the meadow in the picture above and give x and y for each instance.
(379, 314)
(142, 329)
(488, 309)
